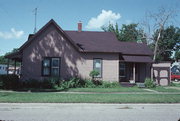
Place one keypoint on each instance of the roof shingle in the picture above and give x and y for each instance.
(92, 41)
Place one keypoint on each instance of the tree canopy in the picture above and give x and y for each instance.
(127, 33)
(3, 60)
(168, 42)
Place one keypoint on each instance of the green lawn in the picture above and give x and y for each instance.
(164, 89)
(120, 89)
(16, 97)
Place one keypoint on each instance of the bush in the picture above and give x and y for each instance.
(93, 74)
(48, 84)
(67, 84)
(9, 81)
(106, 84)
(149, 83)
(89, 84)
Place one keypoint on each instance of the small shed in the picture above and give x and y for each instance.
(162, 73)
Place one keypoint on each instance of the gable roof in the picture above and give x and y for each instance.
(91, 41)
(33, 36)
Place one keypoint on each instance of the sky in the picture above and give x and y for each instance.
(17, 16)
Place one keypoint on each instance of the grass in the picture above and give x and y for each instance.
(163, 89)
(118, 89)
(16, 97)
(176, 84)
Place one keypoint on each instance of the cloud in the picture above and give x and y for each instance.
(103, 19)
(13, 34)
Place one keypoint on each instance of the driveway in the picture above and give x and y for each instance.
(89, 112)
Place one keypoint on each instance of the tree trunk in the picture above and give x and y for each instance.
(156, 46)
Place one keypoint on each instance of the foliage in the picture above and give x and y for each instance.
(127, 33)
(36, 84)
(13, 51)
(89, 84)
(177, 55)
(168, 42)
(93, 74)
(149, 83)
(107, 84)
(4, 60)
(9, 81)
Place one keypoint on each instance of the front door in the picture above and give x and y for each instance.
(122, 72)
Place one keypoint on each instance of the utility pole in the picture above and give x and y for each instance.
(35, 15)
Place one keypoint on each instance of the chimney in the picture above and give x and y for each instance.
(79, 26)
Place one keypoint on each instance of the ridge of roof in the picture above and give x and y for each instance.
(32, 36)
(94, 41)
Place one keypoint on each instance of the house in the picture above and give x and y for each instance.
(11, 69)
(3, 69)
(53, 51)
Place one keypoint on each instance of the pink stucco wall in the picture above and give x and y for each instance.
(51, 43)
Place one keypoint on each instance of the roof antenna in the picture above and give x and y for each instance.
(35, 15)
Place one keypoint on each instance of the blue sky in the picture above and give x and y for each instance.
(17, 18)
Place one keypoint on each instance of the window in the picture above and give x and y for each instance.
(97, 65)
(55, 67)
(122, 69)
(51, 67)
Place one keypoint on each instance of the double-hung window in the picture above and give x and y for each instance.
(51, 67)
(97, 66)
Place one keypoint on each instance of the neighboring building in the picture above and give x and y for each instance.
(55, 52)
(3, 69)
(162, 73)
(175, 67)
(12, 69)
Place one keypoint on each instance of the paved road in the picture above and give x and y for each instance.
(89, 112)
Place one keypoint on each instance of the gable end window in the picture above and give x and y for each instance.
(97, 65)
(51, 67)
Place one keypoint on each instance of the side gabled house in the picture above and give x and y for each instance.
(53, 51)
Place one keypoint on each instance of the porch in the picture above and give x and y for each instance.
(134, 69)
(13, 59)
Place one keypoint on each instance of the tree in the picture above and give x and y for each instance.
(13, 51)
(127, 33)
(177, 55)
(156, 23)
(111, 28)
(168, 42)
(3, 60)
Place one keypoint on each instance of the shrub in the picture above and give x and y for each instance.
(89, 84)
(67, 84)
(9, 81)
(32, 83)
(93, 74)
(48, 84)
(149, 83)
(107, 84)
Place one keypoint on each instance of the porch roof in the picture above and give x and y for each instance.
(138, 59)
(14, 56)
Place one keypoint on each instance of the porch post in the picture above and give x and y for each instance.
(134, 70)
(8, 67)
(15, 67)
